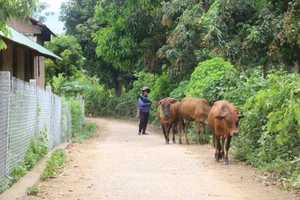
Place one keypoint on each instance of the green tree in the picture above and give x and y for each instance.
(181, 20)
(68, 48)
(17, 9)
(129, 27)
(250, 33)
(80, 22)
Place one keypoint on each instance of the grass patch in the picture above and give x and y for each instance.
(88, 131)
(34, 190)
(54, 164)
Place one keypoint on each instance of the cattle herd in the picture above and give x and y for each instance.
(223, 119)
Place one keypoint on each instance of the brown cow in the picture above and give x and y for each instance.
(193, 109)
(167, 112)
(223, 119)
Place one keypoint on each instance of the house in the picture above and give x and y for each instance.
(24, 55)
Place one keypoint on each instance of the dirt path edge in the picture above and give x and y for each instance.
(19, 190)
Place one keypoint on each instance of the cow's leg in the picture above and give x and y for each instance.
(203, 131)
(174, 131)
(168, 132)
(221, 155)
(185, 131)
(164, 131)
(226, 150)
(198, 132)
(217, 147)
(180, 130)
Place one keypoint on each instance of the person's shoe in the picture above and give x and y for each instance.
(145, 134)
(139, 133)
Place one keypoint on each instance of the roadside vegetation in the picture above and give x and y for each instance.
(242, 51)
(246, 52)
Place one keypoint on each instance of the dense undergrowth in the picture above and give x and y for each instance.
(270, 134)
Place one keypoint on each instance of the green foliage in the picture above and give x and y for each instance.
(17, 9)
(127, 25)
(88, 131)
(181, 20)
(178, 92)
(34, 190)
(70, 87)
(162, 87)
(102, 102)
(247, 85)
(36, 151)
(170, 38)
(68, 48)
(211, 79)
(54, 164)
(77, 116)
(270, 131)
(17, 172)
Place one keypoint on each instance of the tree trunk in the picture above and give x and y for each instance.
(118, 87)
(296, 68)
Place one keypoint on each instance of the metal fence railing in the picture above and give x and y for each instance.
(25, 111)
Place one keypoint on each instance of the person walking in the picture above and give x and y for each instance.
(144, 108)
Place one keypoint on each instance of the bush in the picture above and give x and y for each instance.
(77, 115)
(247, 85)
(211, 79)
(178, 92)
(270, 135)
(162, 87)
(54, 164)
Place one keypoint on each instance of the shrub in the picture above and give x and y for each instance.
(54, 164)
(77, 115)
(211, 79)
(270, 135)
(178, 92)
(247, 85)
(162, 87)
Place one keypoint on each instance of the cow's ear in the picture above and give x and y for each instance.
(240, 116)
(172, 100)
(219, 117)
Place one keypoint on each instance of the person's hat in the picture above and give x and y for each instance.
(145, 88)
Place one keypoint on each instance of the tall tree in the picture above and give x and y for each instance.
(17, 9)
(181, 19)
(80, 22)
(250, 33)
(130, 28)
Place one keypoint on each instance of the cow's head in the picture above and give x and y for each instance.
(230, 123)
(165, 105)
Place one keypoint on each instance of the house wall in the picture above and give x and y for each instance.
(23, 63)
(6, 57)
(39, 70)
(34, 33)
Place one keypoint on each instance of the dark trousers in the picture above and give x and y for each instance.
(144, 117)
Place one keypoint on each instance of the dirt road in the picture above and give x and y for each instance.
(120, 164)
